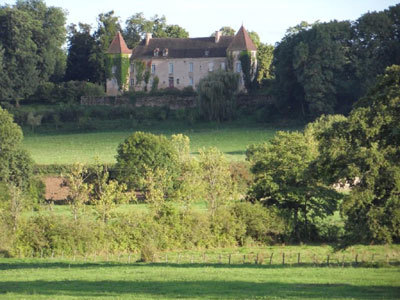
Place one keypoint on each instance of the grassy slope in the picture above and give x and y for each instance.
(36, 279)
(68, 146)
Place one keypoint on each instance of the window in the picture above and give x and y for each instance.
(165, 52)
(238, 67)
(155, 52)
(191, 81)
(132, 82)
(153, 69)
(191, 67)
(206, 52)
(210, 66)
(171, 68)
(131, 68)
(223, 67)
(114, 69)
(177, 81)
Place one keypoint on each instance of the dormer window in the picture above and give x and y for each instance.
(207, 52)
(165, 52)
(156, 51)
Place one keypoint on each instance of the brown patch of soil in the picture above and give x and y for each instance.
(56, 190)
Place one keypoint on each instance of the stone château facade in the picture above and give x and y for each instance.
(177, 62)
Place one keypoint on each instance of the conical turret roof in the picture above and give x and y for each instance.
(118, 45)
(242, 41)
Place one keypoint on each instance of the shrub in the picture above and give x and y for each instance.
(259, 223)
(142, 151)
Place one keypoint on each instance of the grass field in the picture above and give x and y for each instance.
(51, 279)
(63, 146)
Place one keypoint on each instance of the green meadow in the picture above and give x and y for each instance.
(61, 279)
(65, 146)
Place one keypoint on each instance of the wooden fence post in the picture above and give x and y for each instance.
(129, 258)
(166, 258)
(298, 258)
(283, 258)
(229, 258)
(356, 259)
(256, 261)
(327, 260)
(244, 258)
(270, 258)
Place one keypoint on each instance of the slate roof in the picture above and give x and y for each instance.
(184, 47)
(118, 45)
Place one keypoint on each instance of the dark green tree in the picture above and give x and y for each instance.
(31, 36)
(15, 163)
(376, 45)
(283, 170)
(314, 70)
(217, 95)
(81, 48)
(364, 152)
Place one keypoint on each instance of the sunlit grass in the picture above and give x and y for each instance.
(69, 146)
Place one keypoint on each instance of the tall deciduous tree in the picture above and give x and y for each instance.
(364, 151)
(219, 188)
(81, 48)
(313, 69)
(283, 179)
(31, 36)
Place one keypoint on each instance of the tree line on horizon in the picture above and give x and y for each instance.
(315, 69)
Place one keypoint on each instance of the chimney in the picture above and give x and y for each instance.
(218, 35)
(149, 35)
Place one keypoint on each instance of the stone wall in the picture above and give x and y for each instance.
(173, 102)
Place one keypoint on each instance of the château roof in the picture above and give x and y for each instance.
(242, 41)
(184, 47)
(118, 45)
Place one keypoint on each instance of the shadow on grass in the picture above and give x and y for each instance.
(76, 265)
(205, 289)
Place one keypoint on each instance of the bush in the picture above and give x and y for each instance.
(142, 151)
(70, 91)
(259, 223)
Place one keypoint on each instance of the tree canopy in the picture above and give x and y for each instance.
(364, 151)
(31, 36)
(323, 68)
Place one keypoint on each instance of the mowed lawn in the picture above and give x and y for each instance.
(52, 279)
(65, 148)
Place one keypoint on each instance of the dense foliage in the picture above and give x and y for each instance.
(31, 36)
(283, 170)
(364, 152)
(217, 95)
(141, 151)
(324, 68)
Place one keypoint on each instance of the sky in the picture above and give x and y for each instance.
(269, 18)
